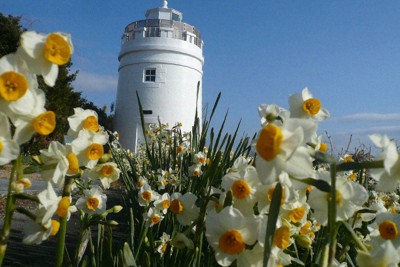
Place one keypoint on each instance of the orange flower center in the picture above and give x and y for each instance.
(13, 86)
(91, 123)
(57, 49)
(240, 189)
(388, 230)
(297, 214)
(73, 163)
(312, 106)
(92, 203)
(165, 204)
(106, 170)
(45, 123)
(146, 196)
(176, 206)
(231, 242)
(282, 237)
(63, 207)
(95, 151)
(269, 142)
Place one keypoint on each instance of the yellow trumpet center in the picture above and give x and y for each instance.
(176, 206)
(45, 123)
(57, 49)
(155, 219)
(91, 123)
(269, 142)
(312, 106)
(1, 146)
(92, 203)
(323, 147)
(63, 207)
(231, 242)
(240, 189)
(282, 237)
(165, 204)
(388, 230)
(55, 226)
(95, 151)
(13, 86)
(271, 193)
(146, 196)
(106, 170)
(297, 214)
(73, 163)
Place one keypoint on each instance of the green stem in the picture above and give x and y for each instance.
(10, 203)
(332, 216)
(63, 224)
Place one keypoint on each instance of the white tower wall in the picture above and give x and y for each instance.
(171, 94)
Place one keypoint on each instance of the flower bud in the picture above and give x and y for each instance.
(304, 241)
(117, 208)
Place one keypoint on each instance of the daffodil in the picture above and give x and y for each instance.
(45, 52)
(386, 227)
(107, 173)
(272, 113)
(9, 150)
(181, 241)
(48, 203)
(383, 255)
(228, 233)
(243, 185)
(89, 147)
(83, 119)
(16, 85)
(163, 203)
(350, 197)
(184, 207)
(59, 161)
(146, 195)
(165, 243)
(93, 201)
(304, 105)
(20, 185)
(281, 149)
(35, 233)
(388, 177)
(37, 121)
(153, 217)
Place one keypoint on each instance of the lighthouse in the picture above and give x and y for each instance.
(161, 58)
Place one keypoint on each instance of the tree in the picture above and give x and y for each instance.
(62, 99)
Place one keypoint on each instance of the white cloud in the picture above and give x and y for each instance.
(371, 130)
(94, 82)
(370, 117)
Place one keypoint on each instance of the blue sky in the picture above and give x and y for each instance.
(346, 52)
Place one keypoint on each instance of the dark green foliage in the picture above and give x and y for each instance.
(10, 29)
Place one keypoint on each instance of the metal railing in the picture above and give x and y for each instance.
(155, 27)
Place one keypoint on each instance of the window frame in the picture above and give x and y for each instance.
(149, 75)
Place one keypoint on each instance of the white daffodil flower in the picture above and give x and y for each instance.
(107, 173)
(272, 113)
(386, 227)
(184, 207)
(243, 185)
(350, 197)
(228, 233)
(146, 195)
(35, 233)
(153, 217)
(9, 150)
(88, 147)
(388, 177)
(305, 106)
(82, 119)
(49, 203)
(44, 53)
(383, 255)
(93, 201)
(64, 160)
(163, 203)
(281, 149)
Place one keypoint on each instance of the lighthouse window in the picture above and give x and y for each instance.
(150, 75)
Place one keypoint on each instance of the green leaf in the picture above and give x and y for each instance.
(128, 258)
(273, 216)
(320, 184)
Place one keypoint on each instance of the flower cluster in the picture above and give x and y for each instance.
(75, 166)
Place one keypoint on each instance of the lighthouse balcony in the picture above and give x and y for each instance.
(162, 28)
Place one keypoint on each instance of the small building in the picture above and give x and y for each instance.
(161, 58)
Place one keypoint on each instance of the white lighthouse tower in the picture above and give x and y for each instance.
(162, 59)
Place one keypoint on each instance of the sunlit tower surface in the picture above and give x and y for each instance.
(162, 59)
